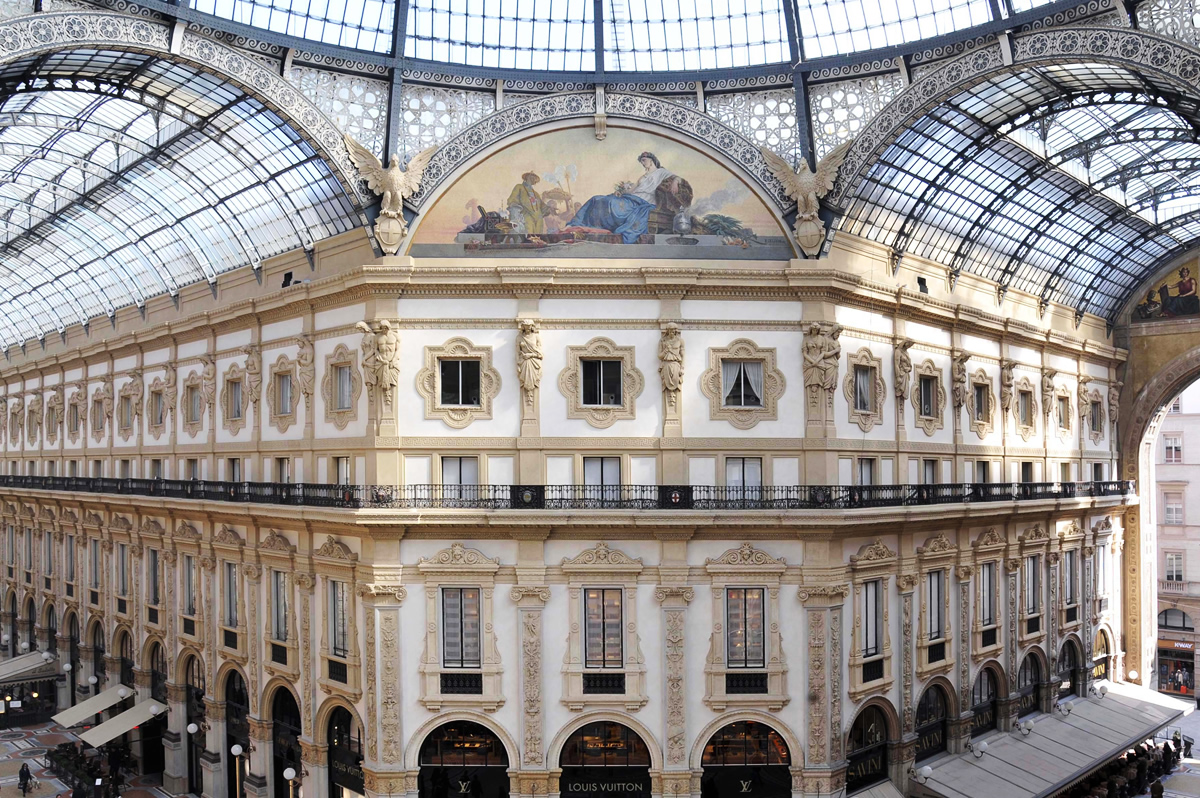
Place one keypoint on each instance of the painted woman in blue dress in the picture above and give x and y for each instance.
(625, 212)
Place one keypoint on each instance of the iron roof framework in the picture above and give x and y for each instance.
(126, 175)
(1070, 182)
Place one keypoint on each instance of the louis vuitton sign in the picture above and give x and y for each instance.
(605, 782)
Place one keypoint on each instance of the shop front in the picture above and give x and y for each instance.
(605, 760)
(746, 758)
(463, 758)
(1177, 667)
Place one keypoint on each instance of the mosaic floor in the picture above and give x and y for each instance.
(29, 744)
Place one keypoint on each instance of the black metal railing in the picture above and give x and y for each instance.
(988, 638)
(872, 671)
(338, 672)
(278, 654)
(603, 683)
(189, 626)
(745, 683)
(462, 684)
(573, 497)
(937, 652)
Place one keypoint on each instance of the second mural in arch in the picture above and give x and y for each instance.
(634, 195)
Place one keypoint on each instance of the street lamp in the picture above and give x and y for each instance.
(294, 778)
(237, 751)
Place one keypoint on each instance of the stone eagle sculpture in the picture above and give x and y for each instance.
(394, 184)
(807, 187)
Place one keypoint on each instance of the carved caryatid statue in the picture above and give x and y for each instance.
(1114, 401)
(958, 375)
(807, 187)
(305, 360)
(670, 358)
(1006, 384)
(1048, 376)
(16, 418)
(253, 372)
(208, 381)
(394, 184)
(529, 358)
(902, 362)
(381, 359)
(822, 356)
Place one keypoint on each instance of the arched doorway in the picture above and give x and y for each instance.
(345, 755)
(285, 739)
(98, 669)
(72, 666)
(747, 758)
(153, 755)
(867, 750)
(983, 703)
(463, 758)
(51, 630)
(1029, 679)
(605, 754)
(125, 652)
(932, 715)
(1068, 670)
(196, 713)
(1101, 656)
(30, 627)
(237, 732)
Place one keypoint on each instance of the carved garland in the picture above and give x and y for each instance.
(281, 418)
(865, 419)
(570, 383)
(340, 357)
(429, 383)
(979, 418)
(712, 384)
(936, 421)
(231, 423)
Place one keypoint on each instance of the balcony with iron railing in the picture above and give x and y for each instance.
(573, 497)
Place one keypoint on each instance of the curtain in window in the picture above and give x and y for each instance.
(753, 370)
(729, 375)
(862, 388)
(343, 378)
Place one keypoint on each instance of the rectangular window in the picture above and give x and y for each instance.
(233, 393)
(51, 468)
(928, 388)
(866, 471)
(1176, 406)
(1173, 448)
(341, 470)
(460, 475)
(156, 468)
(48, 553)
(1027, 471)
(983, 471)
(742, 381)
(97, 415)
(10, 546)
(864, 397)
(125, 412)
(745, 618)
(125, 469)
(1025, 408)
(339, 618)
(1071, 576)
(1033, 584)
(69, 558)
(1064, 472)
(929, 472)
(279, 605)
(460, 382)
(1064, 413)
(153, 573)
(1102, 569)
(987, 594)
(193, 468)
(743, 476)
(462, 644)
(51, 418)
(1097, 472)
(283, 394)
(1096, 417)
(602, 477)
(345, 394)
(1174, 566)
(602, 628)
(981, 402)
(283, 469)
(195, 406)
(157, 408)
(189, 584)
(601, 382)
(73, 419)
(1173, 504)
(936, 581)
(73, 468)
(233, 469)
(94, 562)
(231, 594)
(122, 569)
(27, 534)
(31, 468)
(97, 469)
(872, 618)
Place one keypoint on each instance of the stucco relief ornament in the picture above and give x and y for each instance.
(171, 391)
(1006, 384)
(822, 354)
(1048, 391)
(670, 361)
(958, 376)
(305, 359)
(394, 184)
(529, 358)
(208, 381)
(902, 363)
(56, 403)
(1114, 401)
(381, 359)
(16, 418)
(807, 187)
(33, 416)
(253, 373)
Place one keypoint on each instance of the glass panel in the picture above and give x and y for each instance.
(530, 34)
(344, 391)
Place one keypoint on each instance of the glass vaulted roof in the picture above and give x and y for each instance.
(636, 35)
(1070, 182)
(124, 176)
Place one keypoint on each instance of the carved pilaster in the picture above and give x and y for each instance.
(818, 730)
(531, 599)
(906, 583)
(304, 583)
(674, 600)
(1013, 566)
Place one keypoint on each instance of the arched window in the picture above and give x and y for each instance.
(983, 703)
(237, 732)
(345, 751)
(98, 657)
(158, 673)
(30, 624)
(285, 740)
(931, 722)
(1029, 677)
(51, 630)
(125, 648)
(605, 744)
(461, 754)
(73, 655)
(866, 750)
(1068, 670)
(1100, 656)
(196, 715)
(13, 626)
(746, 757)
(1175, 619)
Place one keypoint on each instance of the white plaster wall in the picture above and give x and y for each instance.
(456, 308)
(336, 317)
(720, 310)
(553, 308)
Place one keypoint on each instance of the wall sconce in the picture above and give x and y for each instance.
(1099, 693)
(1025, 727)
(1132, 675)
(977, 749)
(1065, 708)
(920, 776)
(92, 679)
(67, 667)
(196, 728)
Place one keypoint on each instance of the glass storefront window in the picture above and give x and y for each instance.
(1176, 672)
